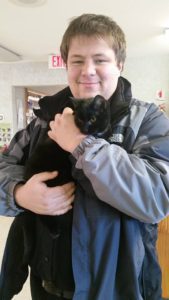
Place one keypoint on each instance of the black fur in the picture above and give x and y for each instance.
(92, 116)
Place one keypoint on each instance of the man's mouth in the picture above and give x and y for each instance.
(89, 83)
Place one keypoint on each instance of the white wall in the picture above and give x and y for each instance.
(147, 75)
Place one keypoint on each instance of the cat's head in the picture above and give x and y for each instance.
(92, 116)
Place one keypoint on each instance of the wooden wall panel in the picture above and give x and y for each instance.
(163, 254)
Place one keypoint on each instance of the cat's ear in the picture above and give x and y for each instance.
(99, 100)
(38, 112)
(42, 114)
(99, 97)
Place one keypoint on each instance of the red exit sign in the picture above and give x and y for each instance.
(55, 61)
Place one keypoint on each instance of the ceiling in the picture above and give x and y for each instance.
(33, 32)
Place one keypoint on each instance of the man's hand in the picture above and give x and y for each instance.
(37, 197)
(65, 132)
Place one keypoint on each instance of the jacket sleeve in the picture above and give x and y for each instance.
(12, 170)
(135, 183)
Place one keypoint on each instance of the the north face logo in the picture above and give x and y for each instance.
(116, 138)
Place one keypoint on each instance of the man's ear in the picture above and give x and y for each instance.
(120, 66)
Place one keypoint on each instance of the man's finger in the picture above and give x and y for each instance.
(43, 176)
(67, 110)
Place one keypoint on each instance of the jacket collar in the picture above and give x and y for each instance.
(120, 100)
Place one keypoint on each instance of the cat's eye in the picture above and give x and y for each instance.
(93, 119)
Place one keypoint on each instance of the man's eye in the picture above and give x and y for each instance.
(100, 61)
(77, 62)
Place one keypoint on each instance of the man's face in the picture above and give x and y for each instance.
(91, 67)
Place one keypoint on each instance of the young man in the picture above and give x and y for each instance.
(121, 185)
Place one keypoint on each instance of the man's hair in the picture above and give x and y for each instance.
(95, 25)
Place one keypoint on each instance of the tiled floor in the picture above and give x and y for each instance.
(4, 227)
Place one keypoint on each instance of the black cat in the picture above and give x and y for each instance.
(92, 116)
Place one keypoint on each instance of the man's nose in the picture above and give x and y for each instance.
(89, 68)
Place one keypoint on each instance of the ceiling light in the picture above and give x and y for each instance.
(28, 3)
